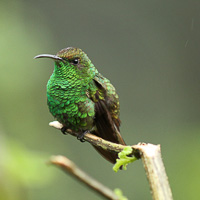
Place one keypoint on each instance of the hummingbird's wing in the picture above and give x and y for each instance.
(107, 115)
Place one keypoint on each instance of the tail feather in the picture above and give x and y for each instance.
(106, 119)
(107, 129)
(110, 156)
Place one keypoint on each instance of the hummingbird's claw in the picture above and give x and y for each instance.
(63, 130)
(81, 136)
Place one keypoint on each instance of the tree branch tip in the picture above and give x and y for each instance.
(61, 161)
(56, 124)
(58, 159)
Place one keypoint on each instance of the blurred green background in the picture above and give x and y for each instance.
(150, 50)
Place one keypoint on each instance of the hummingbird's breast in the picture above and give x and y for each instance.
(70, 105)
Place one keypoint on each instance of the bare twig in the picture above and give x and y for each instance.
(69, 167)
(155, 170)
(151, 157)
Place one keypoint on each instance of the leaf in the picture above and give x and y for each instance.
(124, 160)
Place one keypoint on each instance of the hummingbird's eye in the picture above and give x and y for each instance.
(75, 61)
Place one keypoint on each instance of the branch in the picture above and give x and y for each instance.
(155, 171)
(69, 167)
(97, 141)
(150, 155)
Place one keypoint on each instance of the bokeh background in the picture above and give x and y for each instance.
(150, 50)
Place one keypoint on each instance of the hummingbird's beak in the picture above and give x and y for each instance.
(54, 57)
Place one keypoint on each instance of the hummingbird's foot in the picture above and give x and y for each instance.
(81, 136)
(63, 130)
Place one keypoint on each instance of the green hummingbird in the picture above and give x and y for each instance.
(83, 100)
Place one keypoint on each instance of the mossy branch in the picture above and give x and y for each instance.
(150, 155)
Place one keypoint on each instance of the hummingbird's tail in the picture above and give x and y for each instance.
(106, 119)
(110, 156)
(107, 128)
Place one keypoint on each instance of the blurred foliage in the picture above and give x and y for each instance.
(150, 52)
(119, 193)
(20, 168)
(24, 165)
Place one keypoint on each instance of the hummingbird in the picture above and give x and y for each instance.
(82, 99)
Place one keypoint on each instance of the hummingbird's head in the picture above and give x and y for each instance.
(71, 62)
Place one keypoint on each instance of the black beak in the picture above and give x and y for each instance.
(54, 57)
